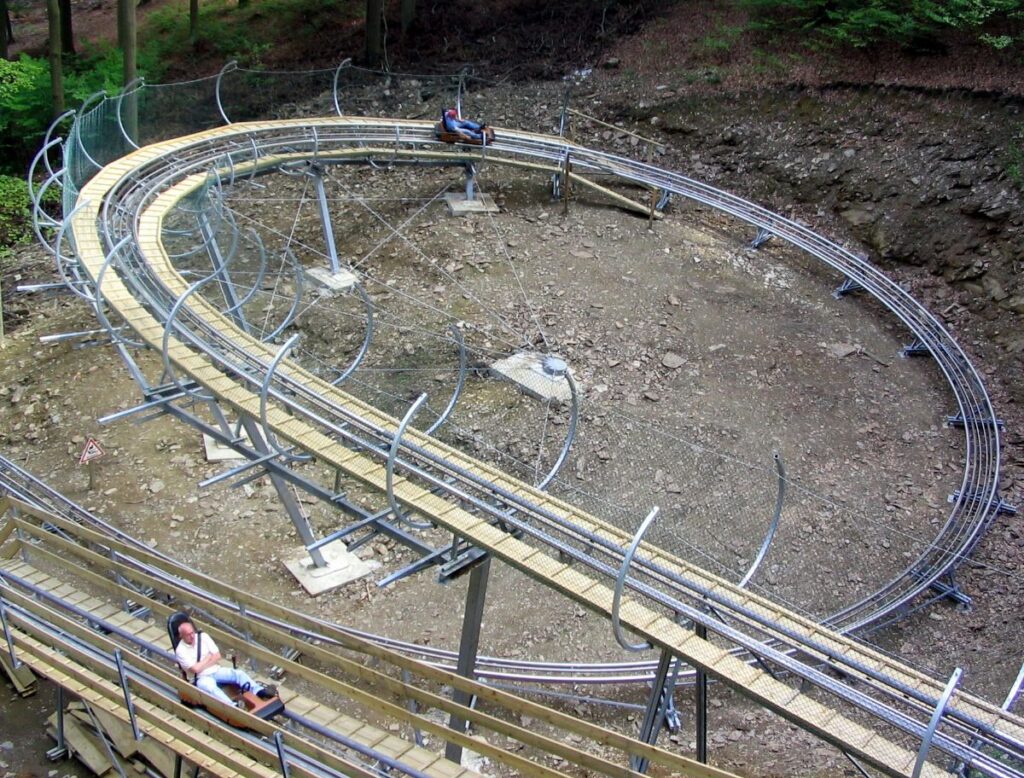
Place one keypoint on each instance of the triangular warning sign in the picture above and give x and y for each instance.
(93, 450)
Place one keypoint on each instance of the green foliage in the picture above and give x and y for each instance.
(859, 24)
(15, 213)
(24, 96)
(720, 40)
(26, 104)
(230, 31)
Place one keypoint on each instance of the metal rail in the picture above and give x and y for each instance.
(367, 430)
(971, 511)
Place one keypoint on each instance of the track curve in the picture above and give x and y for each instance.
(116, 227)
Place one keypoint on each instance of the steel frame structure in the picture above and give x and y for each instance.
(261, 148)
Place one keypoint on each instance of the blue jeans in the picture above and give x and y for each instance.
(471, 128)
(208, 682)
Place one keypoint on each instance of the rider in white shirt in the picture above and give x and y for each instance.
(198, 655)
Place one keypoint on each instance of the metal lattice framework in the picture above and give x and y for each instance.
(114, 217)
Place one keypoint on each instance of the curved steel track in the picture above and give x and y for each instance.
(116, 229)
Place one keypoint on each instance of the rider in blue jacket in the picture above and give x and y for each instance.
(452, 123)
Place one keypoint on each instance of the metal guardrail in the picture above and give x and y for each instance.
(977, 499)
(131, 194)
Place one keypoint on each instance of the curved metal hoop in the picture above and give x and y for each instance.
(570, 435)
(232, 65)
(79, 285)
(98, 302)
(265, 393)
(43, 154)
(345, 63)
(41, 219)
(48, 137)
(258, 283)
(367, 338)
(169, 328)
(132, 86)
(296, 300)
(620, 583)
(940, 709)
(82, 111)
(459, 383)
(779, 498)
(396, 442)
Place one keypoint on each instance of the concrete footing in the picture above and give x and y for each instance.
(526, 370)
(458, 205)
(342, 567)
(338, 282)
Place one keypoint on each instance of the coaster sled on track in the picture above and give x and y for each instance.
(447, 136)
(192, 697)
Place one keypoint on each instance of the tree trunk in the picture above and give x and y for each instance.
(6, 33)
(374, 31)
(67, 32)
(408, 14)
(193, 20)
(56, 72)
(126, 37)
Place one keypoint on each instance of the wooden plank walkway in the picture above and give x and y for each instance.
(101, 610)
(72, 552)
(805, 710)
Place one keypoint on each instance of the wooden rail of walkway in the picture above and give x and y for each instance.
(888, 752)
(108, 571)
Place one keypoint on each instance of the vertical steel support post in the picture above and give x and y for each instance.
(325, 217)
(470, 182)
(933, 725)
(122, 676)
(566, 183)
(413, 708)
(59, 751)
(20, 535)
(701, 707)
(247, 632)
(468, 646)
(177, 766)
(281, 757)
(661, 690)
(252, 429)
(118, 578)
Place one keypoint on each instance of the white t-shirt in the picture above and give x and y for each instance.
(188, 655)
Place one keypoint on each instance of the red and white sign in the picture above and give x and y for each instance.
(93, 450)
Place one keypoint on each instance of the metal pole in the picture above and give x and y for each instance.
(127, 694)
(468, 646)
(701, 713)
(281, 758)
(60, 750)
(656, 704)
(566, 184)
(413, 709)
(933, 725)
(325, 217)
(102, 736)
